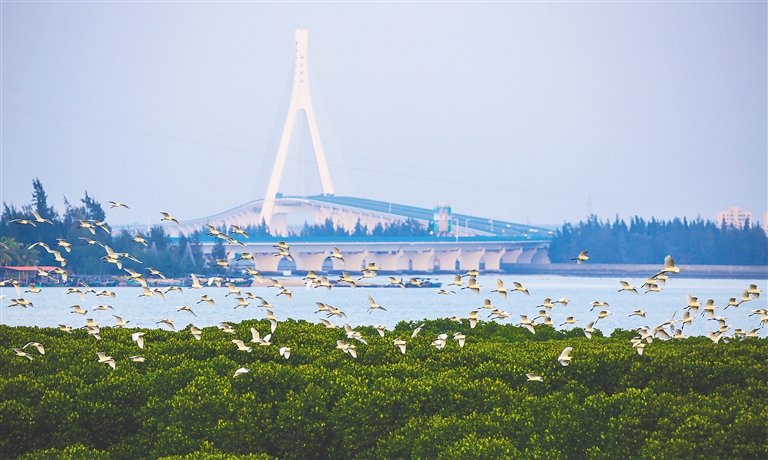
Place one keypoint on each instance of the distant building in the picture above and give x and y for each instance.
(733, 217)
(765, 222)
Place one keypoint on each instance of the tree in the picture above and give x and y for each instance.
(218, 252)
(644, 242)
(15, 253)
(93, 209)
(360, 229)
(40, 202)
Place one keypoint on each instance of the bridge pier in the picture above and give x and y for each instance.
(279, 224)
(353, 261)
(306, 261)
(526, 256)
(423, 257)
(510, 257)
(470, 259)
(447, 259)
(541, 257)
(387, 261)
(419, 260)
(266, 262)
(492, 260)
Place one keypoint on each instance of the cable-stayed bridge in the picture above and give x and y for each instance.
(472, 242)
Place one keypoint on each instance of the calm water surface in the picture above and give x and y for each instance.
(52, 305)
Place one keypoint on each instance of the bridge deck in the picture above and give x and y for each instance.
(248, 214)
(497, 227)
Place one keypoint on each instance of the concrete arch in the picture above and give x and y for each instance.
(353, 261)
(526, 256)
(492, 260)
(541, 257)
(510, 257)
(469, 260)
(419, 260)
(387, 261)
(266, 262)
(447, 259)
(310, 260)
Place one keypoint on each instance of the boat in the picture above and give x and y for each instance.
(413, 283)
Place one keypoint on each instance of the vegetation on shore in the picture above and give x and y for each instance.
(689, 398)
(175, 258)
(696, 242)
(641, 242)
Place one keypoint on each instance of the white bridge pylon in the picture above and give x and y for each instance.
(300, 100)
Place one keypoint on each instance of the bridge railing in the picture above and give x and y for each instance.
(533, 237)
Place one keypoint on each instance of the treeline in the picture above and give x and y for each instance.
(408, 227)
(686, 398)
(647, 242)
(175, 258)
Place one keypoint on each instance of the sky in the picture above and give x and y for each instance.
(539, 113)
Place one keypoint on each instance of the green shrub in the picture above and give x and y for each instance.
(680, 399)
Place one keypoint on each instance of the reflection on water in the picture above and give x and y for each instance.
(52, 305)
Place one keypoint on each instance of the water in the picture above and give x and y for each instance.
(52, 305)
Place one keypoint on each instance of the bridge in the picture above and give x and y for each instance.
(472, 242)
(401, 255)
(475, 242)
(345, 212)
(404, 254)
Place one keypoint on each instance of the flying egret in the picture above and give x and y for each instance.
(138, 337)
(241, 371)
(472, 318)
(167, 216)
(519, 287)
(115, 204)
(534, 378)
(285, 352)
(401, 344)
(23, 354)
(500, 288)
(104, 359)
(582, 257)
(627, 287)
(565, 357)
(120, 321)
(241, 346)
(374, 305)
(37, 345)
(336, 254)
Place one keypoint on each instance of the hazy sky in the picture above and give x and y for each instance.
(529, 112)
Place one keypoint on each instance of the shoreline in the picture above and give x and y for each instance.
(294, 277)
(599, 270)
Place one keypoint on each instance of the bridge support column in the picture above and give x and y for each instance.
(526, 256)
(352, 261)
(310, 260)
(541, 257)
(266, 262)
(493, 260)
(510, 257)
(420, 260)
(470, 259)
(447, 260)
(348, 220)
(279, 224)
(387, 261)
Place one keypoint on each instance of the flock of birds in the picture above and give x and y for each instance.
(671, 329)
